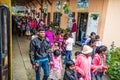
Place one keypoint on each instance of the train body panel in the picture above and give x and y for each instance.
(5, 40)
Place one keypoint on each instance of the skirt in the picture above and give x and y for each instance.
(55, 74)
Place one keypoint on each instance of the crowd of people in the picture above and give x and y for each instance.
(48, 46)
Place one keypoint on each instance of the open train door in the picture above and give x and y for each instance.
(4, 42)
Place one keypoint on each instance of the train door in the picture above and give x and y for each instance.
(4, 43)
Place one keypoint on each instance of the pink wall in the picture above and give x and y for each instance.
(112, 24)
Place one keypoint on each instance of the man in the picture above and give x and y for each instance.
(83, 31)
(74, 28)
(40, 54)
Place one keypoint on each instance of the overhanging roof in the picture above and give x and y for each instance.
(20, 2)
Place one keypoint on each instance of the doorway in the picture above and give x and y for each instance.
(80, 21)
(48, 18)
(57, 18)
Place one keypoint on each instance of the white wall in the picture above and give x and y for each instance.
(112, 24)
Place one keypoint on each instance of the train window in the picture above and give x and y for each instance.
(4, 42)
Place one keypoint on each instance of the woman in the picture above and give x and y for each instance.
(50, 35)
(83, 63)
(100, 60)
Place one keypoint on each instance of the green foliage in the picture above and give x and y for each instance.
(113, 60)
(26, 11)
(16, 13)
(66, 7)
(94, 15)
(67, 30)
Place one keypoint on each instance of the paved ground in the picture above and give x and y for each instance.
(22, 69)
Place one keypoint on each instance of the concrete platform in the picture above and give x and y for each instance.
(22, 69)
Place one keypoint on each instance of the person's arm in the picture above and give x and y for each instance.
(69, 76)
(95, 66)
(66, 42)
(77, 66)
(31, 52)
(48, 50)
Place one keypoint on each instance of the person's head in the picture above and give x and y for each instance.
(69, 35)
(50, 28)
(92, 35)
(77, 53)
(102, 50)
(41, 32)
(56, 43)
(62, 33)
(70, 65)
(92, 42)
(87, 50)
(85, 20)
(65, 36)
(97, 37)
(37, 16)
(57, 52)
(73, 20)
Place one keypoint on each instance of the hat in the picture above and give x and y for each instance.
(87, 49)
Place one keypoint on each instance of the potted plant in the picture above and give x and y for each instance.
(94, 16)
(66, 8)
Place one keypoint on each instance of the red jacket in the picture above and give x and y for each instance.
(74, 27)
(83, 66)
(97, 61)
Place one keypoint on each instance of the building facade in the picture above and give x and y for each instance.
(102, 10)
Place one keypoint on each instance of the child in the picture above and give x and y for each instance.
(56, 67)
(98, 42)
(60, 38)
(70, 73)
(69, 45)
(55, 46)
(76, 54)
(92, 35)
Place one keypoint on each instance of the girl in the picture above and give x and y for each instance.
(70, 73)
(55, 46)
(92, 44)
(60, 38)
(100, 60)
(76, 54)
(98, 42)
(69, 45)
(56, 66)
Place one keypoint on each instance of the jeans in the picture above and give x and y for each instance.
(67, 56)
(82, 36)
(99, 75)
(45, 66)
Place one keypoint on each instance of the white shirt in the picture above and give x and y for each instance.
(69, 44)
